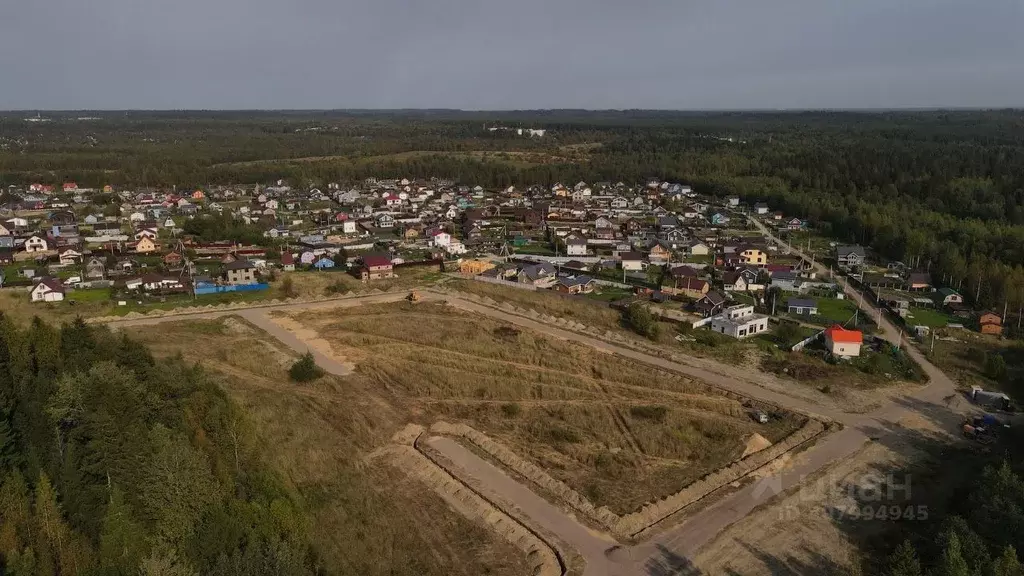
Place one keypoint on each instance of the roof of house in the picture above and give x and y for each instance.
(732, 277)
(691, 283)
(376, 261)
(684, 270)
(287, 258)
(53, 284)
(839, 334)
(947, 291)
(580, 280)
(576, 240)
(239, 265)
(919, 278)
(802, 303)
(843, 251)
(713, 298)
(631, 256)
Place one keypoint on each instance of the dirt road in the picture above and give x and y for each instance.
(668, 552)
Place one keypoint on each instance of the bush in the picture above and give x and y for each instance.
(305, 369)
(511, 410)
(995, 367)
(640, 319)
(288, 287)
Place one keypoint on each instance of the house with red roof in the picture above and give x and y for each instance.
(376, 267)
(287, 262)
(70, 186)
(842, 342)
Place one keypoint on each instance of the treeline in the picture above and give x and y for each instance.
(114, 463)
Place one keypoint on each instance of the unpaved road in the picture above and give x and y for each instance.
(668, 552)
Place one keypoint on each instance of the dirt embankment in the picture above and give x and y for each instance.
(542, 558)
(630, 525)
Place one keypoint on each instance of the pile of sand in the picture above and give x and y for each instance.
(755, 444)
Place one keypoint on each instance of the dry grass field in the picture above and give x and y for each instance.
(620, 433)
(367, 517)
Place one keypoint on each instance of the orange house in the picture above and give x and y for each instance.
(198, 195)
(991, 323)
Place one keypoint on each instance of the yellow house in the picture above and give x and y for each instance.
(145, 245)
(754, 257)
(474, 267)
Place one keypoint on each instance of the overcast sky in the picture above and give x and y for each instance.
(484, 54)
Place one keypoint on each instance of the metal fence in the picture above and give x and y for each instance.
(209, 289)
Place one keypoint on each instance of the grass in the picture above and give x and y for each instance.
(961, 354)
(930, 318)
(832, 310)
(620, 432)
(367, 516)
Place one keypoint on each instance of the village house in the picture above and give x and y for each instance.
(734, 281)
(990, 323)
(752, 256)
(541, 275)
(35, 244)
(660, 253)
(802, 306)
(631, 261)
(688, 286)
(709, 304)
(575, 245)
(842, 342)
(575, 285)
(287, 262)
(849, 256)
(145, 245)
(95, 269)
(376, 267)
(739, 321)
(240, 273)
(919, 281)
(48, 290)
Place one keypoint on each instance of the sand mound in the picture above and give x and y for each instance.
(755, 443)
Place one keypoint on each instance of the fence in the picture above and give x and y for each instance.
(208, 289)
(800, 345)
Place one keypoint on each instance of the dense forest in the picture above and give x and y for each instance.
(114, 463)
(942, 191)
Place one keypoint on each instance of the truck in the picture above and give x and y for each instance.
(996, 400)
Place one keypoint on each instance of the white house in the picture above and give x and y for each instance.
(348, 227)
(48, 290)
(842, 342)
(36, 244)
(576, 246)
(440, 238)
(455, 247)
(739, 322)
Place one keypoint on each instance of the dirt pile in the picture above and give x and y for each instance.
(755, 443)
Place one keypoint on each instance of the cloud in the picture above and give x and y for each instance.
(527, 54)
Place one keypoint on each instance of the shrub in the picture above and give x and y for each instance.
(305, 369)
(288, 287)
(640, 319)
(511, 410)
